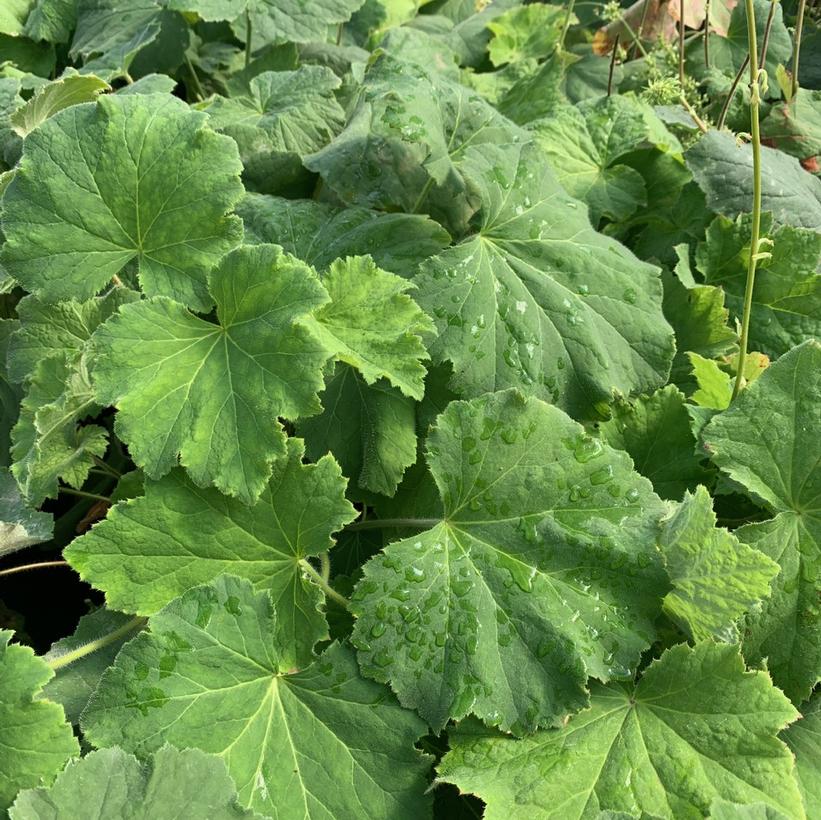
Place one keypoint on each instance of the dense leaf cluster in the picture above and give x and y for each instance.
(375, 362)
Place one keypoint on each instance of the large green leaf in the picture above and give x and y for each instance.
(319, 743)
(153, 548)
(400, 147)
(211, 393)
(767, 441)
(13, 15)
(34, 735)
(319, 233)
(655, 431)
(538, 300)
(20, 525)
(52, 20)
(131, 179)
(285, 116)
(370, 429)
(695, 727)
(795, 126)
(724, 171)
(804, 738)
(525, 571)
(716, 578)
(786, 308)
(372, 324)
(525, 32)
(117, 786)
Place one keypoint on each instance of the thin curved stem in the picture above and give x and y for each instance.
(249, 33)
(731, 93)
(755, 230)
(566, 25)
(765, 40)
(393, 523)
(66, 658)
(27, 567)
(707, 34)
(681, 43)
(324, 585)
(796, 49)
(84, 494)
(325, 566)
(612, 66)
(640, 30)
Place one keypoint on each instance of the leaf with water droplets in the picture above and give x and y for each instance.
(152, 548)
(505, 607)
(319, 743)
(170, 783)
(716, 578)
(35, 737)
(768, 442)
(538, 300)
(696, 727)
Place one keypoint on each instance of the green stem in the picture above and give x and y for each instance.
(612, 66)
(249, 33)
(796, 49)
(394, 523)
(26, 567)
(765, 40)
(73, 655)
(756, 222)
(325, 566)
(566, 25)
(84, 494)
(106, 467)
(681, 43)
(731, 93)
(640, 31)
(633, 36)
(707, 34)
(324, 585)
(199, 94)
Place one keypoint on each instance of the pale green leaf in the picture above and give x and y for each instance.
(52, 20)
(210, 393)
(655, 431)
(131, 179)
(786, 308)
(319, 233)
(10, 393)
(372, 324)
(804, 739)
(370, 429)
(13, 15)
(20, 525)
(153, 548)
(117, 786)
(36, 739)
(694, 728)
(716, 578)
(768, 442)
(71, 89)
(715, 387)
(538, 300)
(525, 571)
(525, 32)
(320, 743)
(725, 810)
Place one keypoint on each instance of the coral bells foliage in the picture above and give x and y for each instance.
(424, 421)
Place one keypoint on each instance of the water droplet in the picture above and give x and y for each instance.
(632, 495)
(378, 629)
(415, 574)
(602, 475)
(382, 658)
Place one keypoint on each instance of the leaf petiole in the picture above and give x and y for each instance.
(320, 581)
(89, 648)
(390, 523)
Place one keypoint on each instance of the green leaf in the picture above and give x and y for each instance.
(170, 783)
(153, 548)
(372, 324)
(403, 139)
(795, 126)
(585, 143)
(131, 179)
(211, 393)
(804, 739)
(285, 116)
(318, 233)
(274, 21)
(13, 15)
(370, 429)
(525, 572)
(538, 300)
(787, 296)
(10, 393)
(61, 329)
(725, 810)
(767, 441)
(724, 171)
(34, 732)
(655, 431)
(71, 89)
(48, 441)
(73, 685)
(716, 578)
(52, 20)
(20, 526)
(715, 387)
(311, 744)
(536, 94)
(700, 321)
(695, 727)
(525, 32)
